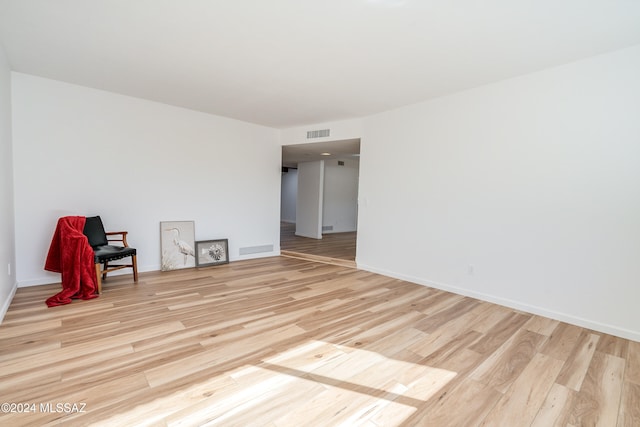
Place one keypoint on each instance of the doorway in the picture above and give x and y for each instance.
(338, 186)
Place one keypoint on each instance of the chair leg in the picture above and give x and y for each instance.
(104, 274)
(99, 277)
(134, 261)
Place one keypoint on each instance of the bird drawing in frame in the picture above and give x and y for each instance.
(183, 247)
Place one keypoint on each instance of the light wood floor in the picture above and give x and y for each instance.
(287, 342)
(334, 248)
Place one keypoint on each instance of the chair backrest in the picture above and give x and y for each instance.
(94, 230)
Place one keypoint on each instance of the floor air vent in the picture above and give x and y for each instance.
(256, 249)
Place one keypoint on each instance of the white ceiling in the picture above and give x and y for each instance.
(284, 63)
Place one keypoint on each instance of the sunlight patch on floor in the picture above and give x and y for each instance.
(316, 383)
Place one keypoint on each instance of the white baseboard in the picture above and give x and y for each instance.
(55, 278)
(37, 282)
(517, 305)
(338, 230)
(7, 303)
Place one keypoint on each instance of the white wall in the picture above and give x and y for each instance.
(7, 221)
(289, 193)
(340, 196)
(79, 151)
(524, 192)
(340, 203)
(309, 199)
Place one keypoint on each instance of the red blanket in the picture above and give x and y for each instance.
(71, 255)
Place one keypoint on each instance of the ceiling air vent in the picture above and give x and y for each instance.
(318, 133)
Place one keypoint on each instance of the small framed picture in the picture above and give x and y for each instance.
(212, 252)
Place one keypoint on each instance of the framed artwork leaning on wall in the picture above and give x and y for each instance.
(212, 252)
(176, 245)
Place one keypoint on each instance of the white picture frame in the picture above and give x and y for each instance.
(177, 242)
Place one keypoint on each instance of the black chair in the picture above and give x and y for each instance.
(105, 253)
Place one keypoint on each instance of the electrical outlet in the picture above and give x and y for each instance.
(9, 269)
(470, 270)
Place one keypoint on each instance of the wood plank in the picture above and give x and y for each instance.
(319, 258)
(541, 325)
(575, 368)
(614, 346)
(598, 401)
(524, 398)
(629, 414)
(501, 332)
(556, 409)
(478, 400)
(503, 366)
(632, 371)
(562, 341)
